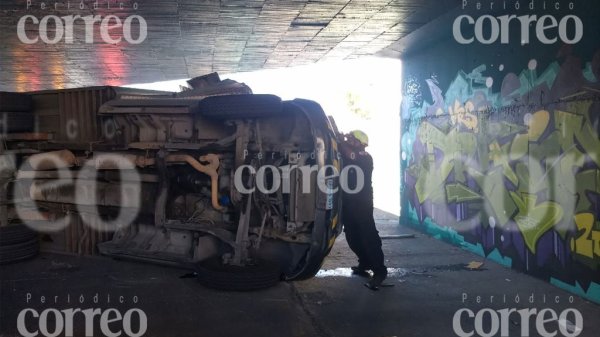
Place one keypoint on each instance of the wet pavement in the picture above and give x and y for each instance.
(428, 284)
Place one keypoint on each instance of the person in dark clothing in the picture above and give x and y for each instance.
(357, 209)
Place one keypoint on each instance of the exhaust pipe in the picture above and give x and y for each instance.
(65, 159)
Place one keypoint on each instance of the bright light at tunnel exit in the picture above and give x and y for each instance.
(360, 94)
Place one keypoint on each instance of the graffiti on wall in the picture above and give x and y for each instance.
(510, 170)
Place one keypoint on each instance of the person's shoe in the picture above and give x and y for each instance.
(360, 271)
(375, 282)
(371, 286)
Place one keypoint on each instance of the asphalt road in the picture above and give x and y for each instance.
(428, 285)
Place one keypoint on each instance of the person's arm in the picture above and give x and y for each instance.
(344, 147)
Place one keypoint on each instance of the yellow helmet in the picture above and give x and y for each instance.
(361, 137)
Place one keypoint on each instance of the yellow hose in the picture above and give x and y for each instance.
(210, 170)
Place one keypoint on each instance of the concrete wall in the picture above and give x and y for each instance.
(501, 149)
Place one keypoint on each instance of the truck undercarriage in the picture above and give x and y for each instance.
(210, 176)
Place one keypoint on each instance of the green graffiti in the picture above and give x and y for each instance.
(592, 293)
(453, 145)
(530, 80)
(533, 219)
(540, 176)
(532, 178)
(519, 147)
(461, 193)
(577, 127)
(500, 157)
(587, 181)
(497, 198)
(588, 73)
(503, 129)
(564, 187)
(531, 162)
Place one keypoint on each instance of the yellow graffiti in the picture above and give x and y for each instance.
(588, 241)
(537, 125)
(533, 219)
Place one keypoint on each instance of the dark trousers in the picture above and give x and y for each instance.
(363, 238)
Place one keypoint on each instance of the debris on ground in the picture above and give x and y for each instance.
(474, 265)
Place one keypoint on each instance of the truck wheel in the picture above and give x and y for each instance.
(214, 274)
(240, 106)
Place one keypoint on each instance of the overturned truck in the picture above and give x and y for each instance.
(239, 186)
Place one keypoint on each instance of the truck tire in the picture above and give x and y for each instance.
(214, 274)
(14, 234)
(19, 251)
(13, 101)
(240, 106)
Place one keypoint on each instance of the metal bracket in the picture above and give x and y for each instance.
(160, 206)
(241, 240)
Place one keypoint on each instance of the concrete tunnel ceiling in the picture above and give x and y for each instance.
(187, 38)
